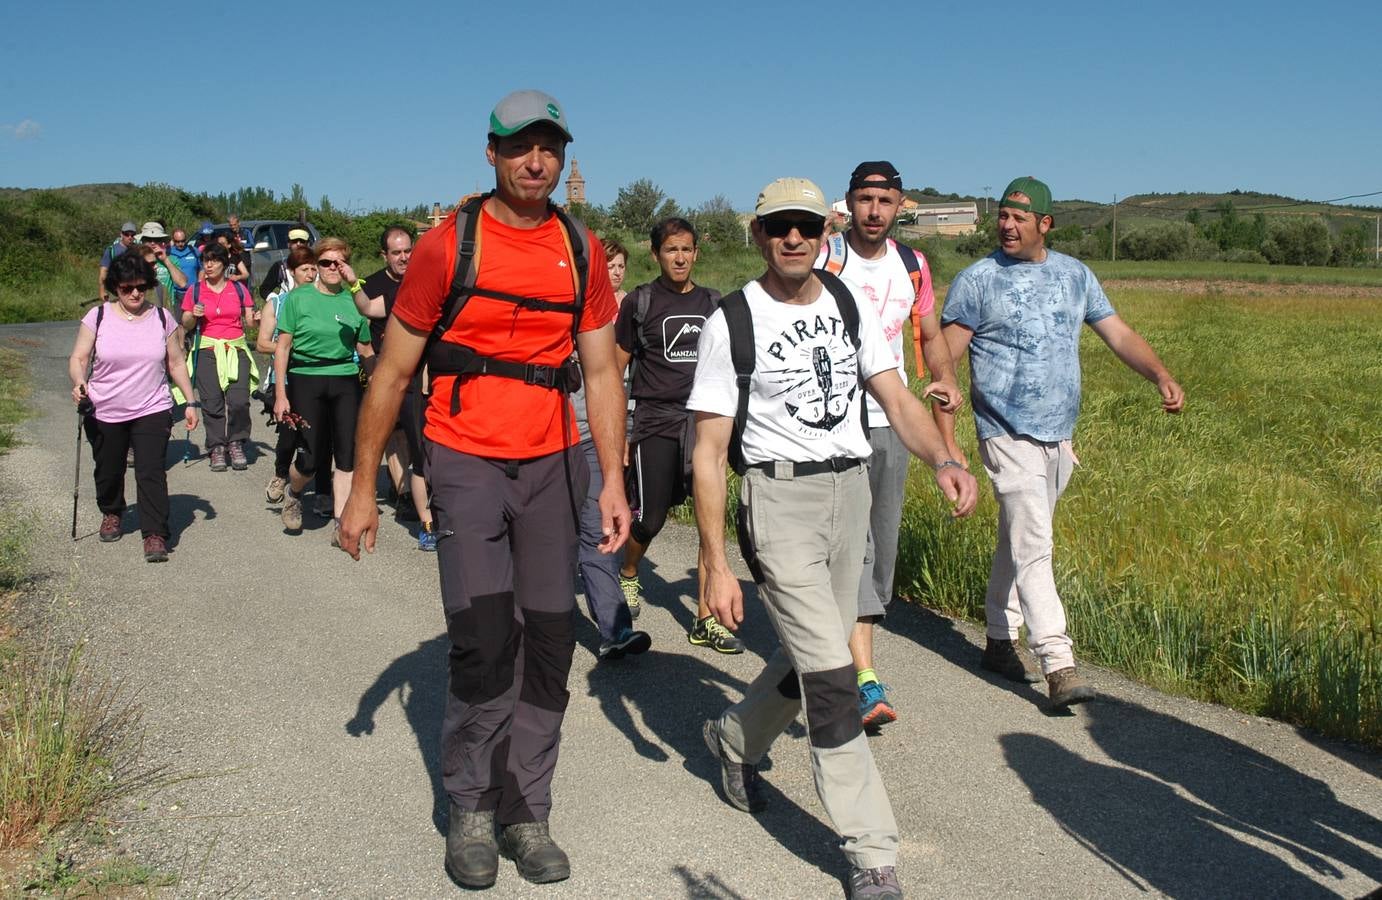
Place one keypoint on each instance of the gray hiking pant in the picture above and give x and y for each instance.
(888, 486)
(225, 414)
(506, 551)
(807, 535)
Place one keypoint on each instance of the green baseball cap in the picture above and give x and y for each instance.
(523, 108)
(1038, 195)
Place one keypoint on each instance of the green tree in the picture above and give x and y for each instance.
(718, 223)
(594, 216)
(1297, 241)
(640, 206)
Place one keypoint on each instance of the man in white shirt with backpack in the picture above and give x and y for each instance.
(897, 283)
(781, 368)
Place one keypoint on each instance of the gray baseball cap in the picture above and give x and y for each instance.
(523, 108)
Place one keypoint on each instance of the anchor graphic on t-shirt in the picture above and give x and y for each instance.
(820, 362)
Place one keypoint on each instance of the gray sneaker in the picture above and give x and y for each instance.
(472, 853)
(1067, 688)
(274, 492)
(292, 512)
(530, 846)
(739, 780)
(874, 884)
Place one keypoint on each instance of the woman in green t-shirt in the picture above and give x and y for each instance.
(322, 341)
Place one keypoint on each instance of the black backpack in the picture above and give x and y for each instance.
(741, 351)
(446, 358)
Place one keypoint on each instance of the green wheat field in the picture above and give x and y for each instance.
(1232, 553)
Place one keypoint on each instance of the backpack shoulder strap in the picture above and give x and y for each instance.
(909, 259)
(463, 276)
(741, 352)
(837, 251)
(844, 299)
(849, 312)
(643, 301)
(578, 242)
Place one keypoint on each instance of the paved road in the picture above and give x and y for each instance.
(304, 691)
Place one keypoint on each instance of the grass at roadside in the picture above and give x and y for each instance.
(1232, 553)
(69, 742)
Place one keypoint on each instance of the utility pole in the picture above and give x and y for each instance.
(1377, 242)
(1115, 228)
(987, 188)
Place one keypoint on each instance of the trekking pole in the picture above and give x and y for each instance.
(196, 351)
(77, 468)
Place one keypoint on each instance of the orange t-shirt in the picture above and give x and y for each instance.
(503, 418)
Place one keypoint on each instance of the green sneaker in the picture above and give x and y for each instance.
(708, 632)
(633, 594)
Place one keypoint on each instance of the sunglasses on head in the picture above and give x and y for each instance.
(781, 226)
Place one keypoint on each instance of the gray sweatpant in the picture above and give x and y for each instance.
(506, 551)
(888, 485)
(225, 414)
(807, 535)
(1028, 478)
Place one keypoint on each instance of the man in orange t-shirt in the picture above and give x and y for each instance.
(507, 479)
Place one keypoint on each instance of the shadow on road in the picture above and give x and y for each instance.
(701, 691)
(1142, 829)
(1250, 791)
(679, 598)
(419, 680)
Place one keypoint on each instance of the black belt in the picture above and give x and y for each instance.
(816, 467)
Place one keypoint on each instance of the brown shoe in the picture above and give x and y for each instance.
(155, 549)
(1004, 658)
(110, 528)
(1067, 688)
(238, 461)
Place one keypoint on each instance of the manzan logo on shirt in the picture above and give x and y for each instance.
(819, 377)
(680, 334)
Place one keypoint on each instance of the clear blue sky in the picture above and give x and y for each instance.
(386, 104)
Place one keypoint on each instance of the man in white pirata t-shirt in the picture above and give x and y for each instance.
(804, 502)
(896, 281)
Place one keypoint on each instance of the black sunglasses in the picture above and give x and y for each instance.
(780, 227)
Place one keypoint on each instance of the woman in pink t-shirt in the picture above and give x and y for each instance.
(219, 310)
(122, 394)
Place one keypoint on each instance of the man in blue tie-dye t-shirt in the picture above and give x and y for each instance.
(1018, 311)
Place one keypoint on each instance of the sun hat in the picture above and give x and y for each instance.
(523, 108)
(299, 234)
(152, 231)
(792, 193)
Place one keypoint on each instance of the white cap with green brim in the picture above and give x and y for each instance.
(523, 108)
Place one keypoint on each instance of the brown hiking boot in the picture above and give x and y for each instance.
(110, 528)
(1004, 658)
(1067, 688)
(155, 549)
(238, 460)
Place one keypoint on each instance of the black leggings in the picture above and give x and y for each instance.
(656, 475)
(330, 404)
(148, 435)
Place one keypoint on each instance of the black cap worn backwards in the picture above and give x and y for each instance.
(873, 170)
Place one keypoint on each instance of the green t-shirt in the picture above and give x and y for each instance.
(325, 329)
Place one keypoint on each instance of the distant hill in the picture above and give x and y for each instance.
(1139, 209)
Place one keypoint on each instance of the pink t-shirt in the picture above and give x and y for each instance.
(129, 377)
(223, 310)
